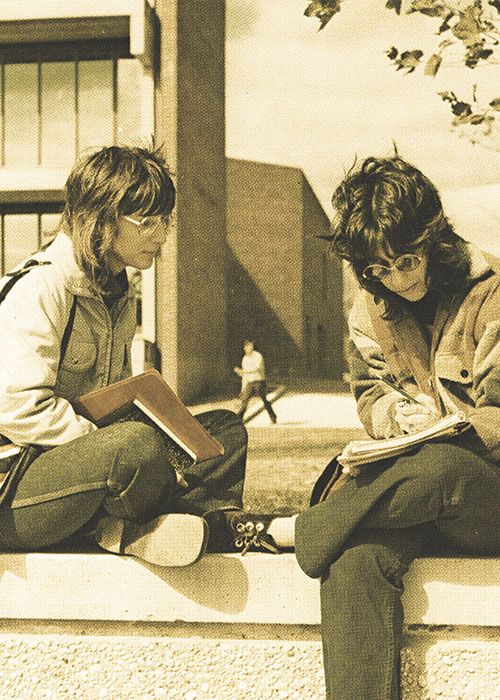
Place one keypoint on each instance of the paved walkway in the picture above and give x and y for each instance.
(312, 410)
(298, 409)
(284, 460)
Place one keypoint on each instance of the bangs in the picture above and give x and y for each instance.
(154, 196)
(372, 245)
(367, 241)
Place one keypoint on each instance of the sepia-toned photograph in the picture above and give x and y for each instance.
(250, 349)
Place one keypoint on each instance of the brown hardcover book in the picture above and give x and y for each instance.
(151, 394)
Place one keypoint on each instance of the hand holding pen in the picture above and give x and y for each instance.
(412, 413)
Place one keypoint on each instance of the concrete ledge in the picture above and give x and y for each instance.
(91, 624)
(257, 588)
(227, 588)
(453, 591)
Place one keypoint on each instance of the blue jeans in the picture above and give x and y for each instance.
(121, 470)
(442, 499)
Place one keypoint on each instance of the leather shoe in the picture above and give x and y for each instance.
(239, 531)
(173, 539)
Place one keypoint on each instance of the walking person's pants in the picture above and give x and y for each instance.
(257, 388)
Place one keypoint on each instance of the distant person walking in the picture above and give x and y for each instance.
(253, 379)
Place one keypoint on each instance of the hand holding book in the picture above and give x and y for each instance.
(417, 416)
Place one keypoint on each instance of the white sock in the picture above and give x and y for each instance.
(282, 530)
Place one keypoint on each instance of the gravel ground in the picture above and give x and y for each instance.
(129, 669)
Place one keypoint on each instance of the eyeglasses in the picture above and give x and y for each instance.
(148, 224)
(405, 263)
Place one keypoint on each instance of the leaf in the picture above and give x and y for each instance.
(495, 103)
(461, 109)
(477, 119)
(475, 53)
(448, 96)
(446, 23)
(323, 10)
(395, 5)
(409, 60)
(468, 27)
(432, 65)
(431, 8)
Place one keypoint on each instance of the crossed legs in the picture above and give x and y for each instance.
(121, 471)
(442, 497)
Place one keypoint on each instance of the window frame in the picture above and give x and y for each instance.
(42, 183)
(38, 208)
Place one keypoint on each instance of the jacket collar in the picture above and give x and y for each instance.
(482, 263)
(406, 334)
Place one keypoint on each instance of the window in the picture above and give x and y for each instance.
(51, 110)
(24, 231)
(67, 83)
(56, 101)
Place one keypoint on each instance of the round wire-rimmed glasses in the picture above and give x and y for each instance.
(405, 263)
(148, 224)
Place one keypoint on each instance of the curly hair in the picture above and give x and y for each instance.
(389, 205)
(104, 185)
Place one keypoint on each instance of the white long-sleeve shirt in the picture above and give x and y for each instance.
(253, 368)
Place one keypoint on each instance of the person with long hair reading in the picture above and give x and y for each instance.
(67, 329)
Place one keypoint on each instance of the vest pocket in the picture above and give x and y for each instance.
(80, 356)
(453, 368)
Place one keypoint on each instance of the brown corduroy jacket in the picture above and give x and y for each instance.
(459, 367)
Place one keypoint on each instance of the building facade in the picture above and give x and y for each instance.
(80, 75)
(284, 290)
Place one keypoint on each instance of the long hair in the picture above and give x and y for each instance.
(389, 206)
(107, 184)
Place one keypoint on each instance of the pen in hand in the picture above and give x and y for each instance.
(401, 391)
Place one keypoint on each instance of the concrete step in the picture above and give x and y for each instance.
(255, 589)
(228, 622)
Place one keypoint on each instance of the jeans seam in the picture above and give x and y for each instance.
(56, 495)
(390, 656)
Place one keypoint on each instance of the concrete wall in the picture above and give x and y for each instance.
(277, 274)
(272, 273)
(264, 236)
(191, 313)
(226, 627)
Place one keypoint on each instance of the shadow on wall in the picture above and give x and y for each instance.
(251, 316)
